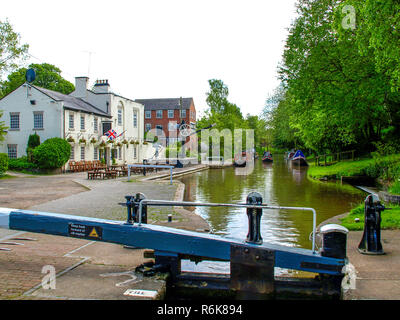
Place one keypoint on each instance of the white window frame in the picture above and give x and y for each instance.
(15, 123)
(159, 114)
(148, 127)
(119, 116)
(171, 114)
(82, 153)
(71, 121)
(182, 113)
(72, 155)
(83, 124)
(12, 151)
(147, 114)
(95, 153)
(96, 125)
(135, 119)
(36, 124)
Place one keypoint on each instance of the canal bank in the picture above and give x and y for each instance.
(377, 277)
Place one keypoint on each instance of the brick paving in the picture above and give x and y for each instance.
(21, 268)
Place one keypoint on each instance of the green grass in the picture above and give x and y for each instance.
(368, 167)
(395, 188)
(390, 218)
(6, 176)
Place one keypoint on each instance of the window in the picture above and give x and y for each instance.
(119, 116)
(96, 154)
(14, 121)
(148, 127)
(106, 127)
(82, 153)
(159, 127)
(170, 114)
(159, 114)
(183, 113)
(71, 121)
(12, 151)
(96, 125)
(135, 119)
(134, 152)
(72, 155)
(82, 122)
(172, 126)
(120, 153)
(38, 120)
(148, 114)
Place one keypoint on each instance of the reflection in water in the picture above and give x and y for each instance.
(280, 184)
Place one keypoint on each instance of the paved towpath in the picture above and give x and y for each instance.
(85, 269)
(377, 276)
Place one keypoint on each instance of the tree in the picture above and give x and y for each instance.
(48, 76)
(3, 128)
(10, 48)
(336, 98)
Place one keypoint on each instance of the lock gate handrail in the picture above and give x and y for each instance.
(231, 205)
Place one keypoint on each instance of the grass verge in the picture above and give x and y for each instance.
(390, 218)
(371, 167)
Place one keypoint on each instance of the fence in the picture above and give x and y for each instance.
(329, 159)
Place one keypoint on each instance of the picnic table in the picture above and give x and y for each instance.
(102, 172)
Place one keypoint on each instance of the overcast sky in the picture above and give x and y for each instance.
(160, 48)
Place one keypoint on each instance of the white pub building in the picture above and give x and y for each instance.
(82, 118)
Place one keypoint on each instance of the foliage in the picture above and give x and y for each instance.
(390, 218)
(20, 164)
(384, 167)
(3, 128)
(10, 48)
(48, 76)
(3, 163)
(227, 115)
(52, 154)
(338, 88)
(33, 142)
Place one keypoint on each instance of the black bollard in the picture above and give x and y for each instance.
(129, 219)
(135, 208)
(334, 241)
(371, 240)
(254, 216)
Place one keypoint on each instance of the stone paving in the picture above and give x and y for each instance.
(85, 261)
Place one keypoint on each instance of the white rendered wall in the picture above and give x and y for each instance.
(19, 101)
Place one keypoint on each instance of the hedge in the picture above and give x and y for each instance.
(3, 163)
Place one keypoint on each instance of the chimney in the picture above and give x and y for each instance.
(101, 86)
(81, 84)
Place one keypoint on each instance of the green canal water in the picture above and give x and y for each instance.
(280, 184)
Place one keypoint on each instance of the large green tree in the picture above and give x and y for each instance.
(48, 76)
(336, 99)
(11, 51)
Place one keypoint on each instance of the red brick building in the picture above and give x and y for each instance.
(168, 114)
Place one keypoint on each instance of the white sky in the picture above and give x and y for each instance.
(161, 48)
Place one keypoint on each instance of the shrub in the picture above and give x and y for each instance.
(21, 164)
(52, 154)
(3, 163)
(33, 141)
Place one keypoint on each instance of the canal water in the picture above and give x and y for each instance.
(281, 184)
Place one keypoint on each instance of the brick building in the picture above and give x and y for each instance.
(168, 115)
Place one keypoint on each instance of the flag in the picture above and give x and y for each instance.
(111, 134)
